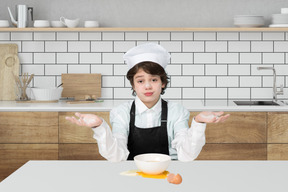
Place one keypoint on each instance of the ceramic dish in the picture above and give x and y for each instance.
(41, 23)
(278, 25)
(248, 21)
(152, 163)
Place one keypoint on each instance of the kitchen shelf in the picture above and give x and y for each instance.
(12, 29)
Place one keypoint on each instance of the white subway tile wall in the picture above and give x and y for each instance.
(203, 65)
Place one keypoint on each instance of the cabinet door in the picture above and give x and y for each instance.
(71, 133)
(28, 127)
(240, 127)
(277, 151)
(233, 152)
(277, 127)
(79, 152)
(13, 156)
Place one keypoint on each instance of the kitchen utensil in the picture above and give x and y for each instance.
(22, 19)
(9, 66)
(79, 85)
(4, 23)
(60, 85)
(248, 21)
(41, 23)
(70, 23)
(152, 163)
(57, 24)
(91, 24)
(22, 85)
(47, 94)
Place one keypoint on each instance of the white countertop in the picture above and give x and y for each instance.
(198, 176)
(107, 105)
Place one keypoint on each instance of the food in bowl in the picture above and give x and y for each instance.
(47, 94)
(152, 163)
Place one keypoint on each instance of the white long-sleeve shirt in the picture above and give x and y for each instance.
(185, 143)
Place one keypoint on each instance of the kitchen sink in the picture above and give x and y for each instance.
(255, 103)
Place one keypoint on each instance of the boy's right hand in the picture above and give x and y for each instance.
(88, 120)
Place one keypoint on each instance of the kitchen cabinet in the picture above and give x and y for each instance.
(277, 136)
(241, 137)
(48, 136)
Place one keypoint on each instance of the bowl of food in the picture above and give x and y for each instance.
(47, 94)
(152, 163)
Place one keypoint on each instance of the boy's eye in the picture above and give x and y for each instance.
(140, 81)
(154, 80)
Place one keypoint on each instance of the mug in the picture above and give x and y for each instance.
(91, 24)
(4, 23)
(69, 23)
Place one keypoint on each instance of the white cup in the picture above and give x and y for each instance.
(4, 23)
(284, 10)
(41, 23)
(57, 24)
(91, 24)
(70, 23)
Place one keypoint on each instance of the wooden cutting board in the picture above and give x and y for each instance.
(9, 64)
(79, 85)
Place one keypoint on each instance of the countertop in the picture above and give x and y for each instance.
(107, 105)
(198, 176)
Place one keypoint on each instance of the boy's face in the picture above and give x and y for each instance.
(147, 87)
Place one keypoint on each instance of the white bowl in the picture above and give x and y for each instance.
(4, 23)
(280, 18)
(152, 163)
(47, 94)
(41, 23)
(57, 24)
(249, 21)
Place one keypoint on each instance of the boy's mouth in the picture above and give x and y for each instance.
(148, 93)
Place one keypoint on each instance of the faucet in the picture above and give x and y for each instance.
(275, 92)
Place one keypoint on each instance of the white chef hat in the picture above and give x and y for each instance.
(147, 52)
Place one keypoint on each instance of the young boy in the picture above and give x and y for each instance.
(149, 124)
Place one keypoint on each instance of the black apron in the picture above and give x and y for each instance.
(148, 140)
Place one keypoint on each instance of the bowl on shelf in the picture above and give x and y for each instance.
(280, 18)
(152, 163)
(47, 94)
(248, 21)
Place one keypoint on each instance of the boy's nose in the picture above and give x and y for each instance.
(147, 85)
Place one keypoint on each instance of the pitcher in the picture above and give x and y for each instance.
(22, 20)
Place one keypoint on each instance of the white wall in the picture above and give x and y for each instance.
(150, 13)
(209, 65)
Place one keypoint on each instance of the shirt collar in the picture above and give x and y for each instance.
(141, 107)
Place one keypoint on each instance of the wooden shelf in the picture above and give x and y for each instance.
(12, 29)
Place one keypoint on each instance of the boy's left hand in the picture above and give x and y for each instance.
(211, 117)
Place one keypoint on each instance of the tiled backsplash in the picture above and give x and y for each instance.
(204, 65)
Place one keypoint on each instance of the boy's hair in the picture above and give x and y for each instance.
(150, 68)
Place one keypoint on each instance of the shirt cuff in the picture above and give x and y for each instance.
(199, 127)
(100, 130)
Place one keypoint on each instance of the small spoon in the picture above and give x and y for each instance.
(59, 85)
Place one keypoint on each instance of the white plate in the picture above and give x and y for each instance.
(278, 25)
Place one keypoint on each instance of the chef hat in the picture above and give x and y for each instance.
(147, 52)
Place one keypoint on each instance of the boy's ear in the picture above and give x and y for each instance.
(163, 85)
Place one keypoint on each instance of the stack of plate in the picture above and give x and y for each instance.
(280, 20)
(248, 20)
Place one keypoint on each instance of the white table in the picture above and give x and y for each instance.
(103, 176)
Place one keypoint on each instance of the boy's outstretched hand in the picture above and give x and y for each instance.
(88, 120)
(211, 117)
